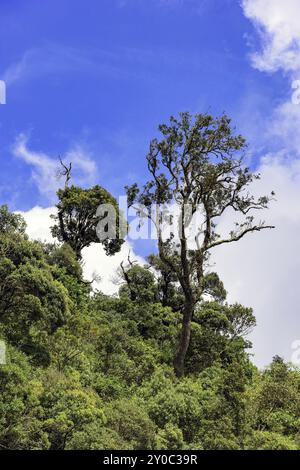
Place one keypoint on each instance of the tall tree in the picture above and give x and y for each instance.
(197, 166)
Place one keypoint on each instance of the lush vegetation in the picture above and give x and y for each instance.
(89, 371)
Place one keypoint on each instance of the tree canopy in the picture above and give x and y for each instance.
(77, 218)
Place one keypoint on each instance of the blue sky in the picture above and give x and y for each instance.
(103, 74)
(91, 80)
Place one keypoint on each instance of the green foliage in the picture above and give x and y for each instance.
(69, 409)
(10, 222)
(128, 420)
(77, 219)
(218, 333)
(20, 411)
(140, 285)
(265, 440)
(89, 371)
(33, 304)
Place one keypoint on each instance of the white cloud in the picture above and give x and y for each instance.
(95, 261)
(278, 24)
(38, 222)
(45, 168)
(262, 271)
(284, 125)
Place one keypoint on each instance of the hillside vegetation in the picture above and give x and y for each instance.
(88, 371)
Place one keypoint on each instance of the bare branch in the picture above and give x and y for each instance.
(236, 238)
(65, 171)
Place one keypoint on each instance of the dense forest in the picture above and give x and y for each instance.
(166, 363)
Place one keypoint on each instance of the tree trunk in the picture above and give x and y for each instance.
(184, 342)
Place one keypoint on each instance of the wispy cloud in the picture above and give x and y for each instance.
(118, 63)
(263, 271)
(45, 168)
(56, 59)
